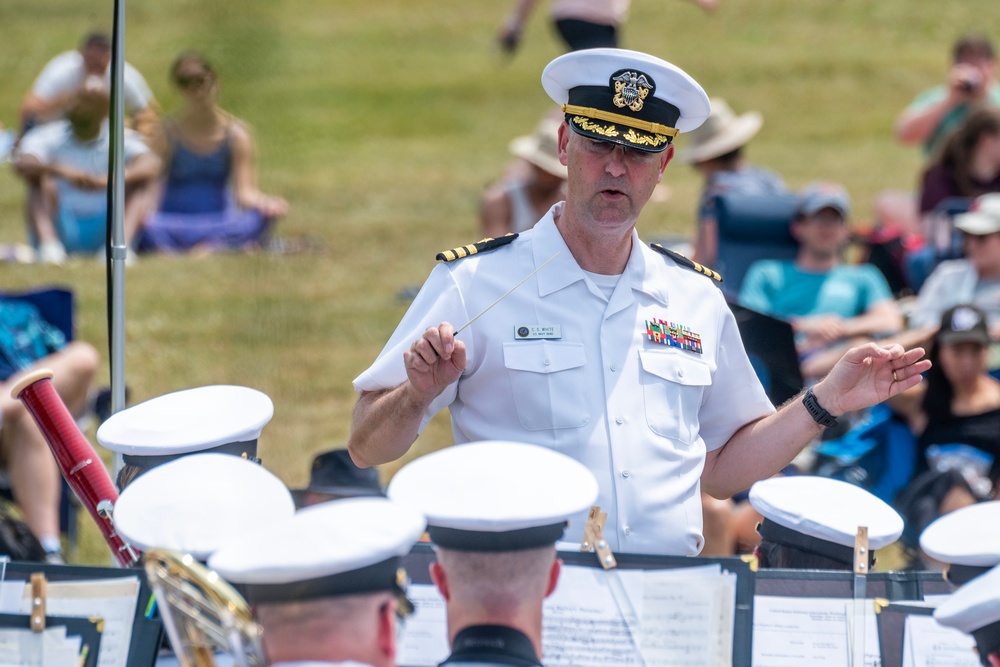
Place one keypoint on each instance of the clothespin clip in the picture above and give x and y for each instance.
(39, 588)
(861, 554)
(593, 538)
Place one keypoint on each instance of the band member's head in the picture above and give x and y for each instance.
(812, 523)
(326, 585)
(221, 419)
(199, 503)
(975, 609)
(961, 542)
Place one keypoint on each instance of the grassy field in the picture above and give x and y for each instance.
(381, 121)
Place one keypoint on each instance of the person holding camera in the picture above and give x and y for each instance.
(972, 80)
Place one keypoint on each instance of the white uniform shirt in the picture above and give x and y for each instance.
(55, 144)
(317, 663)
(65, 74)
(640, 415)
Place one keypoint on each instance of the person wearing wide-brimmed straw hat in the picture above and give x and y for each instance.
(517, 202)
(716, 150)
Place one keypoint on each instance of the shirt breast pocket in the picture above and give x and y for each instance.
(549, 383)
(673, 385)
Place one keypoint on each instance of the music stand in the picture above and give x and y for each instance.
(770, 344)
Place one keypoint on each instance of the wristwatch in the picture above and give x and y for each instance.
(817, 411)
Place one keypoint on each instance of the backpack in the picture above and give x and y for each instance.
(25, 337)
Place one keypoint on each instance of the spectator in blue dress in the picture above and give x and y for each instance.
(716, 150)
(210, 197)
(827, 302)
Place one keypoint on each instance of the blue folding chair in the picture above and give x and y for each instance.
(752, 227)
(56, 305)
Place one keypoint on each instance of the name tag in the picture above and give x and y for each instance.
(537, 331)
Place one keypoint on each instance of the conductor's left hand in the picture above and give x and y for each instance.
(869, 374)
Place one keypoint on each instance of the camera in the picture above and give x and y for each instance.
(969, 83)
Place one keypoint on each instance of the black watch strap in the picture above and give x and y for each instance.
(817, 411)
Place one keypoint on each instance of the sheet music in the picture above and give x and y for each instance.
(425, 636)
(20, 647)
(581, 623)
(688, 619)
(791, 632)
(873, 647)
(926, 643)
(114, 600)
(685, 616)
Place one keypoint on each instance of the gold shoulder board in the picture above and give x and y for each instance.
(473, 248)
(684, 261)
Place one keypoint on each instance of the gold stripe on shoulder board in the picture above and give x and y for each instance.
(475, 248)
(684, 261)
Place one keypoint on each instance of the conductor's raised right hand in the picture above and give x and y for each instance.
(434, 361)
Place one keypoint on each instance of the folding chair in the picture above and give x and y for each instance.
(56, 305)
(752, 227)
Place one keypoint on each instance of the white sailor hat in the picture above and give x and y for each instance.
(218, 418)
(199, 503)
(626, 97)
(822, 515)
(348, 547)
(975, 610)
(495, 495)
(966, 540)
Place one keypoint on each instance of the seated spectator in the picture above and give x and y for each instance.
(54, 91)
(67, 161)
(28, 342)
(828, 302)
(811, 523)
(935, 113)
(959, 402)
(518, 201)
(969, 162)
(210, 198)
(974, 279)
(716, 150)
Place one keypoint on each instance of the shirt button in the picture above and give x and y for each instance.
(547, 362)
(680, 373)
(627, 530)
(626, 472)
(619, 419)
(614, 368)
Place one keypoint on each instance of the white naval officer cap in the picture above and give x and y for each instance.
(495, 495)
(199, 503)
(348, 547)
(626, 97)
(225, 419)
(966, 540)
(975, 610)
(822, 515)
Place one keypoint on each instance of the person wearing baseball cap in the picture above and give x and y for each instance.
(326, 585)
(973, 279)
(811, 522)
(830, 304)
(975, 610)
(716, 151)
(495, 511)
(624, 356)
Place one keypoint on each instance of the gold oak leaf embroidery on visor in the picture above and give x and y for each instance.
(644, 139)
(603, 130)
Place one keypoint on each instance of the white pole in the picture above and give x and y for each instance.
(117, 249)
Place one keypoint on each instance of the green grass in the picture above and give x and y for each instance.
(382, 120)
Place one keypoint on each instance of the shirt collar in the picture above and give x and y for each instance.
(494, 640)
(643, 271)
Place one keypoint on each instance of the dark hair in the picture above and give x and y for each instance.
(773, 555)
(190, 57)
(972, 45)
(956, 153)
(98, 39)
(17, 540)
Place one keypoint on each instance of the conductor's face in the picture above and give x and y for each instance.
(608, 184)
